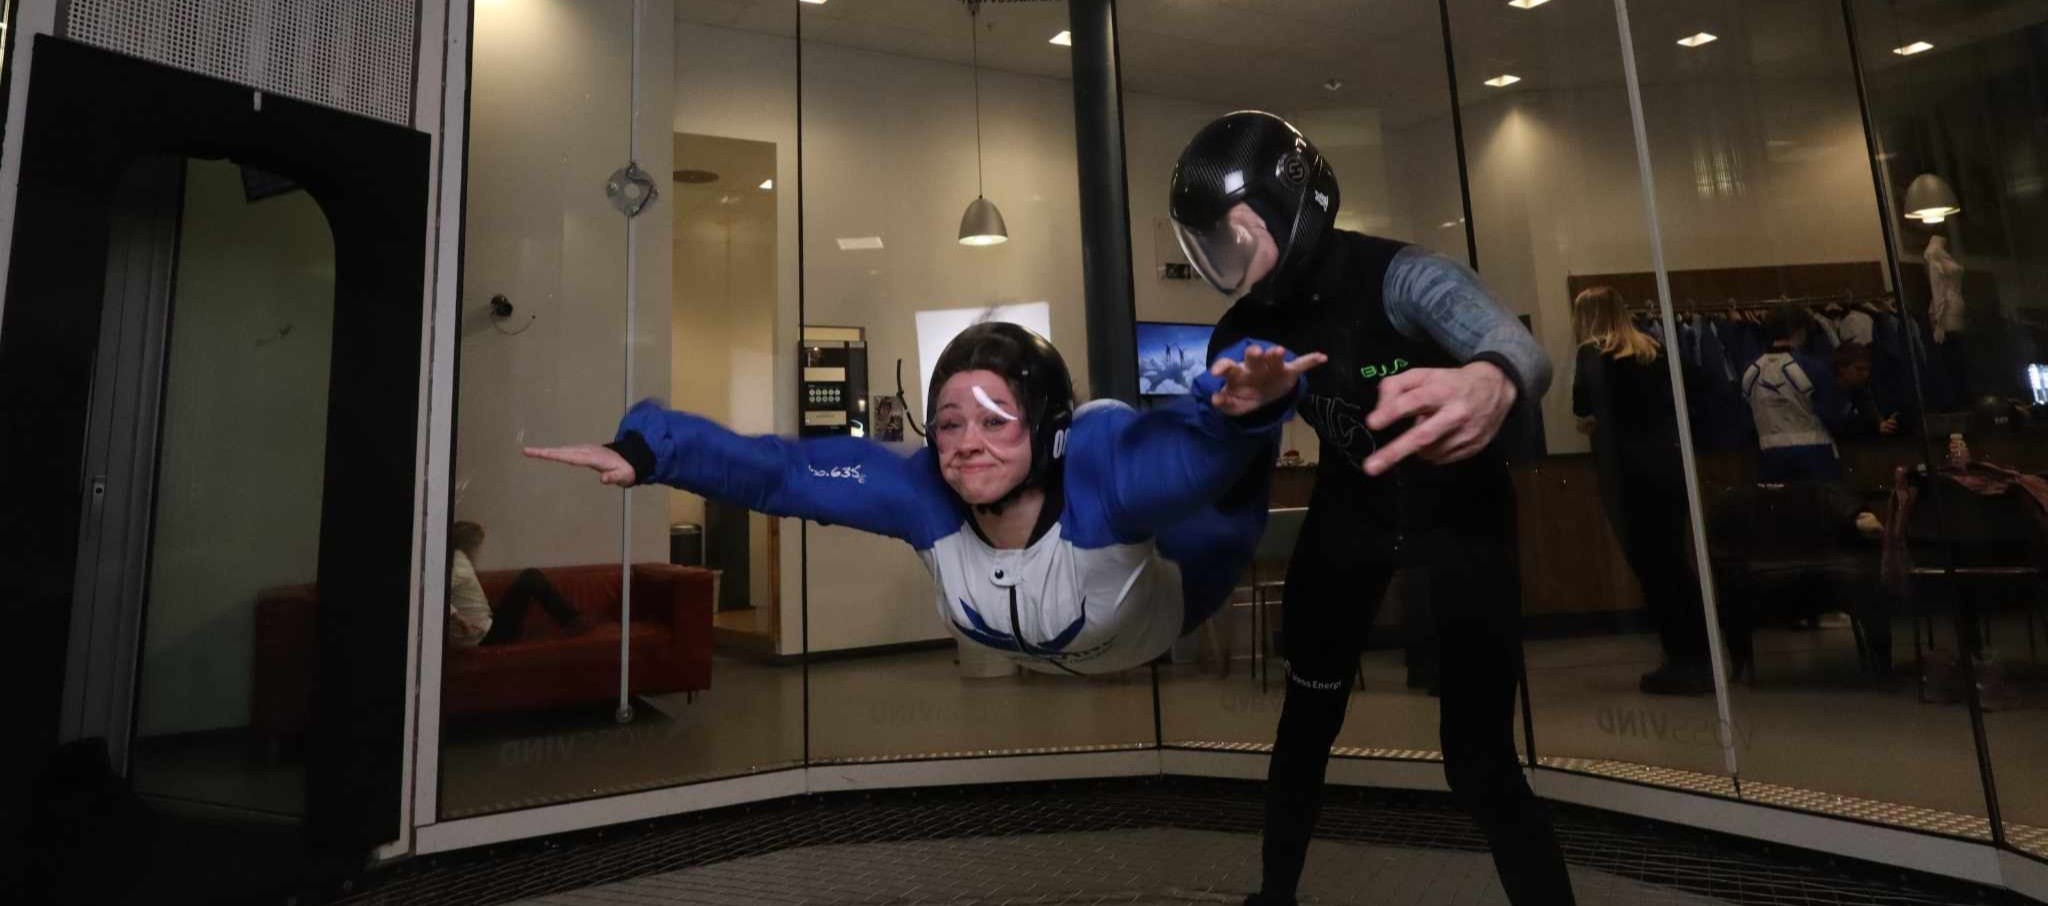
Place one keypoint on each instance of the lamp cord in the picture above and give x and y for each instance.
(974, 43)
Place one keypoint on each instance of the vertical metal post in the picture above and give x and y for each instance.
(1685, 438)
(624, 713)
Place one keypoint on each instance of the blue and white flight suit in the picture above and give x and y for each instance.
(1158, 514)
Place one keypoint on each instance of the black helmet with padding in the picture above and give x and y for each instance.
(1037, 375)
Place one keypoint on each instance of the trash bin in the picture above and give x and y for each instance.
(686, 544)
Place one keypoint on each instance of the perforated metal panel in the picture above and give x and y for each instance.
(355, 55)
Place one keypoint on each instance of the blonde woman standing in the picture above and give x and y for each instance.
(1621, 392)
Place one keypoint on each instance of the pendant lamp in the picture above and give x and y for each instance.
(1930, 199)
(982, 224)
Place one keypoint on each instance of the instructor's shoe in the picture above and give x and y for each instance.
(1679, 678)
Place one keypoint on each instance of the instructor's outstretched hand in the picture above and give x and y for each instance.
(1457, 412)
(611, 468)
(1263, 377)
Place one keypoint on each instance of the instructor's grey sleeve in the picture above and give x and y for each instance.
(1429, 294)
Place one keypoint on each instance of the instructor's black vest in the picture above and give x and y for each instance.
(1339, 309)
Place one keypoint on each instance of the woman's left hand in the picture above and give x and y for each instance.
(1264, 376)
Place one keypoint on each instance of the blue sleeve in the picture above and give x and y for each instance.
(838, 480)
(1430, 295)
(1171, 462)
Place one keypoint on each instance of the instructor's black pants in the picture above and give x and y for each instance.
(1334, 587)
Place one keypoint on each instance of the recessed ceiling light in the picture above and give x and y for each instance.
(1913, 48)
(1064, 39)
(1503, 80)
(1526, 4)
(860, 243)
(1333, 84)
(1697, 40)
(815, 2)
(768, 184)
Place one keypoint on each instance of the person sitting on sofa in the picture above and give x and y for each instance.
(472, 621)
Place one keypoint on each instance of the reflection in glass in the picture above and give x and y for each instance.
(1807, 420)
(1617, 661)
(1965, 176)
(1622, 396)
(534, 641)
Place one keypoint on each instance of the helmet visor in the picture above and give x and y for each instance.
(1221, 253)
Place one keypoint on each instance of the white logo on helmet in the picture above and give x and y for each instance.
(1293, 171)
(1059, 443)
(1323, 200)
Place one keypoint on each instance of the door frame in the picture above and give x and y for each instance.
(119, 462)
(90, 114)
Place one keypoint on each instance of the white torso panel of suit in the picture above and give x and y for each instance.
(1780, 393)
(1078, 610)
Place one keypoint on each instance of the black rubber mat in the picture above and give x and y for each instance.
(1681, 861)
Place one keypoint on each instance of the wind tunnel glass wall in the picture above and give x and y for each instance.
(1612, 614)
(580, 656)
(1775, 251)
(1370, 92)
(740, 297)
(911, 114)
(1950, 89)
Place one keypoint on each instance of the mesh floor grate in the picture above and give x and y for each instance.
(1155, 840)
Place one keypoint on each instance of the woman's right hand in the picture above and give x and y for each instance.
(611, 468)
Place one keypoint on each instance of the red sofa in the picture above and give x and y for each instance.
(671, 646)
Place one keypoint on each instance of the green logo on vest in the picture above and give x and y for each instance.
(1375, 372)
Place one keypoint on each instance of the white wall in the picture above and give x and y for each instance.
(244, 442)
(550, 120)
(889, 151)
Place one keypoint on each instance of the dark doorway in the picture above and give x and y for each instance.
(209, 380)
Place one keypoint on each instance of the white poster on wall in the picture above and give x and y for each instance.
(937, 328)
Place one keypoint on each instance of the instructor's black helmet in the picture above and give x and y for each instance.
(1258, 159)
(1036, 373)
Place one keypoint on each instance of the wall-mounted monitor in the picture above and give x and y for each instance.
(1171, 356)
